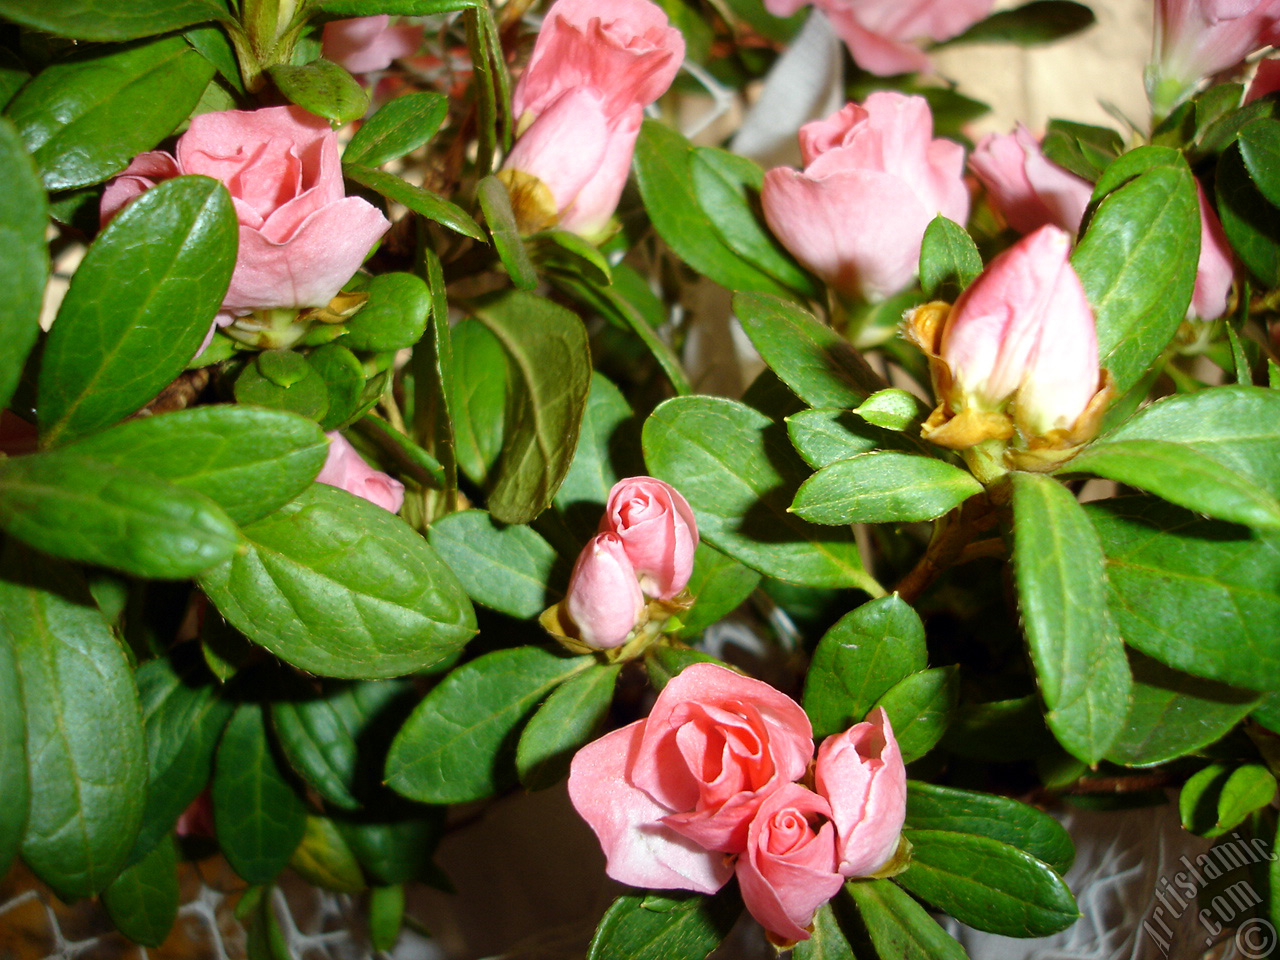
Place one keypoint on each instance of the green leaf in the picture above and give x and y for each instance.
(212, 42)
(827, 941)
(1198, 595)
(250, 461)
(898, 927)
(933, 807)
(259, 817)
(478, 398)
(727, 188)
(920, 708)
(395, 848)
(323, 88)
(739, 473)
(87, 770)
(1137, 261)
(508, 239)
(893, 409)
(549, 377)
(85, 118)
(325, 860)
(1083, 149)
(571, 716)
(1249, 221)
(819, 365)
(24, 217)
(662, 662)
(398, 127)
(1040, 21)
(988, 884)
(1259, 144)
(343, 378)
(884, 487)
(166, 260)
(85, 509)
(459, 742)
(824, 436)
(13, 753)
(1218, 797)
(424, 202)
(507, 568)
(949, 260)
(386, 916)
(108, 20)
(284, 381)
(719, 585)
(859, 660)
(143, 901)
(664, 172)
(606, 452)
(1173, 714)
(1079, 658)
(685, 926)
(336, 739)
(405, 8)
(342, 588)
(395, 315)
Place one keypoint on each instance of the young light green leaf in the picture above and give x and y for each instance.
(508, 240)
(421, 201)
(340, 587)
(739, 473)
(508, 568)
(949, 260)
(143, 901)
(398, 127)
(458, 745)
(323, 88)
(386, 916)
(85, 118)
(892, 409)
(884, 487)
(166, 260)
(571, 716)
(686, 926)
(898, 926)
(95, 20)
(920, 707)
(24, 217)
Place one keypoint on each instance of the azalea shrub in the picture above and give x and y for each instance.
(362, 469)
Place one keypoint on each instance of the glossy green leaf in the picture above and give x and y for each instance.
(548, 379)
(1218, 797)
(143, 901)
(859, 660)
(739, 473)
(663, 166)
(86, 762)
(1251, 224)
(342, 588)
(898, 927)
(819, 365)
(1083, 149)
(508, 238)
(324, 859)
(1173, 714)
(343, 377)
(1078, 655)
(85, 118)
(988, 884)
(85, 509)
(323, 88)
(684, 926)
(1040, 21)
(1259, 144)
(570, 717)
(933, 807)
(459, 742)
(1199, 595)
(478, 397)
(283, 380)
(395, 315)
(949, 260)
(108, 20)
(884, 487)
(920, 707)
(166, 260)
(1137, 261)
(507, 568)
(824, 436)
(24, 217)
(393, 847)
(259, 816)
(607, 451)
(719, 585)
(212, 42)
(248, 460)
(827, 941)
(424, 202)
(893, 409)
(398, 127)
(13, 754)
(432, 366)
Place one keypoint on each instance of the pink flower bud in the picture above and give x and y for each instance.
(1024, 331)
(604, 599)
(861, 774)
(656, 528)
(1027, 187)
(874, 178)
(346, 469)
(366, 44)
(1215, 273)
(1195, 39)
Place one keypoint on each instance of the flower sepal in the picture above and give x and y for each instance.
(657, 618)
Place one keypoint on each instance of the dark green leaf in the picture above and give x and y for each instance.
(143, 901)
(109, 20)
(396, 849)
(395, 315)
(459, 742)
(1083, 149)
(1079, 657)
(1249, 221)
(719, 585)
(1218, 797)
(898, 927)
(87, 768)
(686, 927)
(606, 453)
(859, 660)
(571, 716)
(85, 118)
(920, 708)
(568, 253)
(212, 43)
(166, 260)
(1040, 21)
(259, 817)
(739, 473)
(421, 201)
(508, 568)
(340, 587)
(322, 88)
(827, 941)
(884, 487)
(549, 377)
(663, 662)
(988, 884)
(283, 380)
(343, 377)
(824, 436)
(24, 217)
(13, 753)
(508, 239)
(398, 127)
(1259, 143)
(949, 260)
(478, 398)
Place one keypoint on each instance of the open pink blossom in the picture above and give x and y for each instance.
(366, 44)
(656, 527)
(346, 469)
(604, 598)
(885, 37)
(874, 178)
(1265, 80)
(301, 238)
(789, 867)
(1028, 188)
(1195, 39)
(670, 795)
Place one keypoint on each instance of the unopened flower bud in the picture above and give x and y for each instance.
(346, 469)
(604, 599)
(657, 530)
